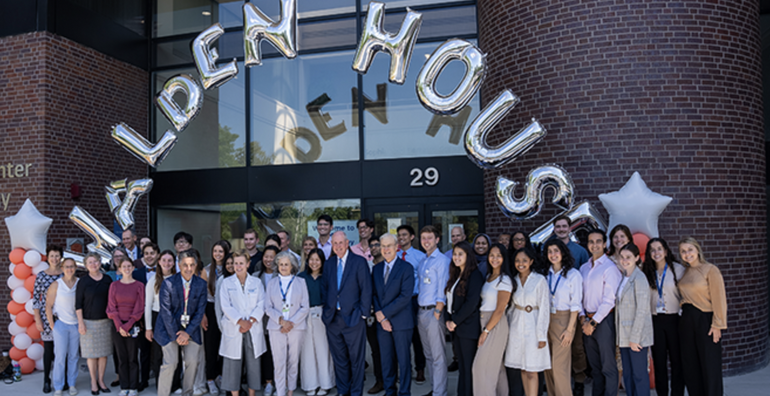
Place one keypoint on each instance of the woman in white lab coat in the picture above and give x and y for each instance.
(242, 298)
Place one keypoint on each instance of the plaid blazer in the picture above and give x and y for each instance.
(633, 319)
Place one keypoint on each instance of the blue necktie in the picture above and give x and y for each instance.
(339, 279)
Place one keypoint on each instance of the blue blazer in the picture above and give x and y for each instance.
(140, 274)
(171, 297)
(395, 298)
(354, 295)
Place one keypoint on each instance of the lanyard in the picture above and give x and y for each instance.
(662, 279)
(553, 291)
(186, 293)
(283, 293)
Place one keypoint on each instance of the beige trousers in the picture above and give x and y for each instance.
(557, 379)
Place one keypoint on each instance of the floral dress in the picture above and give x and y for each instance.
(42, 282)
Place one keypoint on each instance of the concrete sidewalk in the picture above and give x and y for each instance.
(755, 383)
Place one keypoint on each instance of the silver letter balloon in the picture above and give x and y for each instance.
(579, 215)
(206, 58)
(140, 147)
(177, 116)
(475, 65)
(104, 240)
(375, 39)
(476, 136)
(538, 180)
(124, 210)
(258, 26)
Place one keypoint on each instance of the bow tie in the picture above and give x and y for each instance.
(150, 269)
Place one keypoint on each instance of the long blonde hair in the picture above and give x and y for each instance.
(692, 241)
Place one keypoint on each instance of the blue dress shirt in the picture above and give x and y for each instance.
(433, 275)
(414, 257)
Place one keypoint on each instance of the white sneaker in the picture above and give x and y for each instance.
(321, 392)
(310, 392)
(132, 392)
(199, 391)
(269, 389)
(73, 391)
(178, 391)
(57, 392)
(123, 392)
(213, 388)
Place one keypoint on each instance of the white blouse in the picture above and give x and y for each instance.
(490, 289)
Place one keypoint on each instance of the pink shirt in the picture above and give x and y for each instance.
(357, 249)
(125, 304)
(600, 283)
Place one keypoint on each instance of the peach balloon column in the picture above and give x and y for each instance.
(28, 230)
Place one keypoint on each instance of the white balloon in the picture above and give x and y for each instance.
(35, 351)
(15, 329)
(21, 295)
(13, 317)
(22, 341)
(14, 282)
(32, 258)
(11, 268)
(39, 365)
(636, 206)
(40, 268)
(29, 306)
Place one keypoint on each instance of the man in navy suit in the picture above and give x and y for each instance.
(149, 258)
(393, 281)
(347, 295)
(182, 305)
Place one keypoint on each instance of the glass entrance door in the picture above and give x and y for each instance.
(444, 216)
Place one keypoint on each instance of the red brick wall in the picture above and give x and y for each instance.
(669, 89)
(58, 101)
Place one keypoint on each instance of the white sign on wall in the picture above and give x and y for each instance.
(347, 226)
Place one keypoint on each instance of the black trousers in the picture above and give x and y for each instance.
(419, 354)
(145, 350)
(266, 361)
(666, 348)
(701, 357)
(212, 338)
(374, 344)
(157, 359)
(128, 363)
(47, 360)
(467, 351)
(600, 352)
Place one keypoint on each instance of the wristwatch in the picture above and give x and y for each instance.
(593, 323)
(436, 310)
(486, 330)
(252, 320)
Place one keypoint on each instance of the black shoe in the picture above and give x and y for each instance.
(115, 383)
(142, 386)
(429, 394)
(454, 366)
(47, 387)
(106, 390)
(95, 392)
(65, 388)
(420, 379)
(578, 389)
(377, 388)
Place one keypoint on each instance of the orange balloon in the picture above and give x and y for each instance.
(24, 319)
(33, 333)
(14, 308)
(27, 365)
(17, 354)
(22, 271)
(17, 255)
(29, 283)
(640, 240)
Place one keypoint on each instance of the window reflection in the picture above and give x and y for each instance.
(216, 138)
(174, 17)
(206, 223)
(396, 124)
(299, 218)
(301, 110)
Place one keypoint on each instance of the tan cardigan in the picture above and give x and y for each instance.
(703, 287)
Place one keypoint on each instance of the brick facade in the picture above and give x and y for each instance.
(669, 89)
(59, 101)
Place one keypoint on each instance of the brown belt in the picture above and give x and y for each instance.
(527, 309)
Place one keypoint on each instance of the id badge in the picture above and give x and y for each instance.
(553, 305)
(660, 309)
(285, 308)
(184, 320)
(426, 280)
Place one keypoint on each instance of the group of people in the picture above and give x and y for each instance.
(273, 318)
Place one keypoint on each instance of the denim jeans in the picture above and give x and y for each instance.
(66, 342)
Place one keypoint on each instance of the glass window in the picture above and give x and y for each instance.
(406, 3)
(216, 137)
(128, 13)
(174, 17)
(301, 110)
(178, 52)
(446, 220)
(441, 22)
(206, 223)
(308, 9)
(398, 126)
(299, 218)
